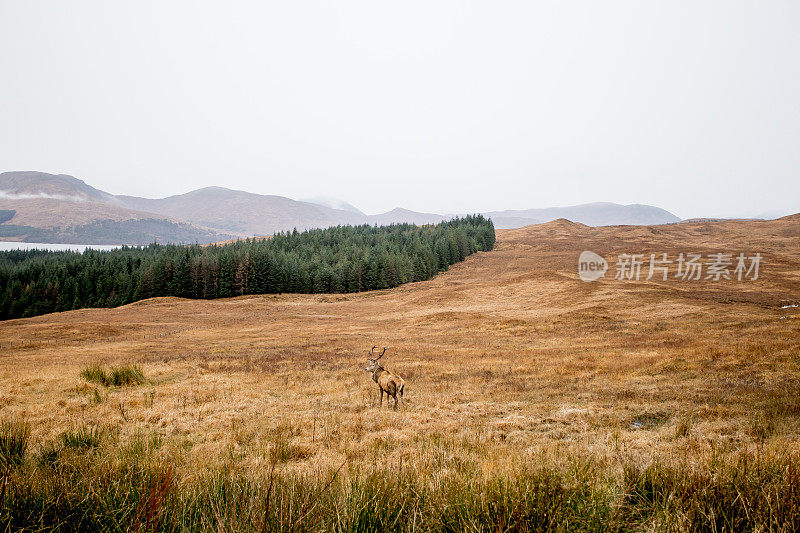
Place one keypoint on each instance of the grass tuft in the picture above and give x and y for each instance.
(49, 455)
(121, 376)
(127, 375)
(14, 437)
(283, 446)
(95, 373)
(82, 437)
(96, 397)
(684, 427)
(762, 427)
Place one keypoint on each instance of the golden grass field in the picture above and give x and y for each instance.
(509, 359)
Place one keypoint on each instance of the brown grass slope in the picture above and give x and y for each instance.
(512, 325)
(508, 351)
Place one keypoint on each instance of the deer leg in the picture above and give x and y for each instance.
(381, 404)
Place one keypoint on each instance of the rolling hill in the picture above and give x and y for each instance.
(511, 362)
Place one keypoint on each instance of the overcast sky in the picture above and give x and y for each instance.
(434, 105)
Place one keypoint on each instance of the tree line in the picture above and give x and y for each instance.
(339, 259)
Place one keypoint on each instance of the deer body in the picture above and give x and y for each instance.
(388, 383)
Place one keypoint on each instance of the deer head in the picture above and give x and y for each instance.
(373, 361)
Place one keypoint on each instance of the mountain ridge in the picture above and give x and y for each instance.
(230, 213)
(59, 208)
(590, 214)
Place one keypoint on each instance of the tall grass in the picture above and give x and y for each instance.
(138, 486)
(83, 437)
(750, 494)
(14, 437)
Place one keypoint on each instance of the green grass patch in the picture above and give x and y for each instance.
(121, 376)
(95, 373)
(83, 437)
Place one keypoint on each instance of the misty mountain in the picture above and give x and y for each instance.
(27, 185)
(594, 214)
(40, 207)
(248, 214)
(243, 213)
(106, 231)
(504, 222)
(399, 215)
(50, 201)
(37, 205)
(333, 203)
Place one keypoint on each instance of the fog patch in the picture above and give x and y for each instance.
(6, 195)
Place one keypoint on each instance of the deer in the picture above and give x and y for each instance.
(389, 383)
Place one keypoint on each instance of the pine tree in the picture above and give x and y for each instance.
(341, 259)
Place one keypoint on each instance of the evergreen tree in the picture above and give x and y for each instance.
(340, 259)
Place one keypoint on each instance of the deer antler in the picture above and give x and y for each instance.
(383, 352)
(372, 352)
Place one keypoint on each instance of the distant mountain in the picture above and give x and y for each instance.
(27, 185)
(399, 215)
(108, 231)
(248, 214)
(49, 201)
(594, 214)
(505, 222)
(61, 208)
(333, 203)
(39, 207)
(243, 213)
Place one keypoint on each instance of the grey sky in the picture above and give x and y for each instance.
(436, 106)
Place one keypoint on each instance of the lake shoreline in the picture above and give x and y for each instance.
(7, 246)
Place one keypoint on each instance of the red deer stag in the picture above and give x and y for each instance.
(387, 382)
